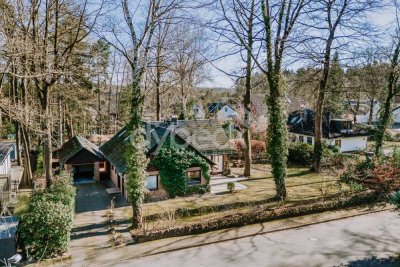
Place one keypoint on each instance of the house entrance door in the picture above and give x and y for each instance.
(219, 160)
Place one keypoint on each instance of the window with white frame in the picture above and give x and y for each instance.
(194, 177)
(152, 182)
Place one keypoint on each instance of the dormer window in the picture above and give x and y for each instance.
(346, 125)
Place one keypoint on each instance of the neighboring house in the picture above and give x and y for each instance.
(221, 111)
(5, 176)
(207, 136)
(83, 158)
(335, 130)
(363, 108)
(13, 145)
(198, 111)
(115, 149)
(227, 112)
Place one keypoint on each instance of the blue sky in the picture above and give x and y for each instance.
(381, 19)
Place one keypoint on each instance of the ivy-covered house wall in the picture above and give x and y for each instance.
(176, 168)
(178, 172)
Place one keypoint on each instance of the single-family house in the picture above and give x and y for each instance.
(115, 150)
(337, 131)
(83, 158)
(360, 110)
(207, 136)
(221, 111)
(198, 111)
(5, 176)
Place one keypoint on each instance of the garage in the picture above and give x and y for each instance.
(83, 171)
(83, 159)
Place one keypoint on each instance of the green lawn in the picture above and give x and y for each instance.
(302, 185)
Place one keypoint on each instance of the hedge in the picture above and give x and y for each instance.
(257, 216)
(45, 229)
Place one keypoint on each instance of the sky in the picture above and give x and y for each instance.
(380, 19)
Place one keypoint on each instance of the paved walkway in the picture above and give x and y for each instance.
(219, 183)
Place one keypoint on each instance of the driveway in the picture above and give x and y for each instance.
(90, 230)
(219, 183)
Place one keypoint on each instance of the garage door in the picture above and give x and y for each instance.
(84, 171)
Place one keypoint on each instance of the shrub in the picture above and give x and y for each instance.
(258, 148)
(230, 186)
(197, 190)
(395, 199)
(45, 229)
(381, 175)
(300, 154)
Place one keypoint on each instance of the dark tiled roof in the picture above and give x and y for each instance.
(76, 144)
(4, 151)
(302, 122)
(114, 150)
(207, 136)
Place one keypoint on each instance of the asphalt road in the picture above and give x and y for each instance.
(349, 242)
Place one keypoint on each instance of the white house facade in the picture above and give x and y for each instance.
(198, 112)
(226, 113)
(5, 160)
(336, 131)
(345, 144)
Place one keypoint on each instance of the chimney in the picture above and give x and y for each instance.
(174, 120)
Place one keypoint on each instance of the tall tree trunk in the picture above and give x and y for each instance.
(136, 157)
(99, 118)
(1, 121)
(46, 128)
(61, 121)
(18, 143)
(392, 90)
(277, 135)
(27, 178)
(318, 120)
(319, 106)
(247, 96)
(158, 98)
(371, 111)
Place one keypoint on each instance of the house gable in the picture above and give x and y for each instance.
(69, 151)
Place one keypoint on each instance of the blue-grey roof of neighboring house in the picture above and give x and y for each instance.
(215, 107)
(75, 145)
(4, 152)
(302, 122)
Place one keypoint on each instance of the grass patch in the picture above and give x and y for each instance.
(302, 186)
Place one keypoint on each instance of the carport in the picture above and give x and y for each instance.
(82, 158)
